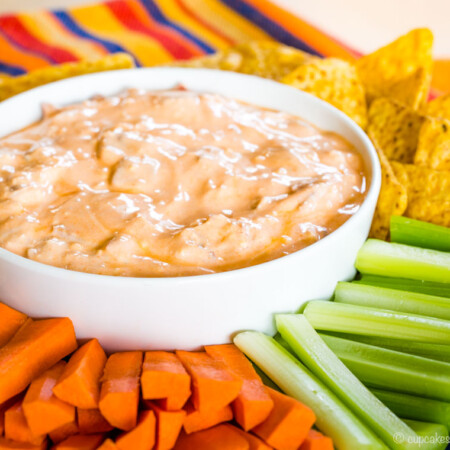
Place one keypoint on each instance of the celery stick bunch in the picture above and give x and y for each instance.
(374, 364)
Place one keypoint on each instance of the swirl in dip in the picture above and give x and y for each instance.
(172, 183)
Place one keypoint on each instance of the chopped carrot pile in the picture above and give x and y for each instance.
(254, 442)
(37, 346)
(196, 420)
(3, 408)
(253, 404)
(43, 410)
(80, 442)
(220, 437)
(79, 382)
(213, 384)
(288, 423)
(91, 421)
(142, 436)
(165, 378)
(17, 428)
(10, 321)
(119, 397)
(168, 427)
(316, 441)
(56, 395)
(62, 433)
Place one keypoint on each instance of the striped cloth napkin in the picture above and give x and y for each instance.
(159, 31)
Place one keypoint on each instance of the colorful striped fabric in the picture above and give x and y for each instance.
(156, 32)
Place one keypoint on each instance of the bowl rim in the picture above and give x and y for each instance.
(374, 182)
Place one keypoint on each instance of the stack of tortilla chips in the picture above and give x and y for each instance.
(411, 135)
(385, 92)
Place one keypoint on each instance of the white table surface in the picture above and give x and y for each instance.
(364, 24)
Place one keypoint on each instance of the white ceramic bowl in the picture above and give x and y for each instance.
(187, 312)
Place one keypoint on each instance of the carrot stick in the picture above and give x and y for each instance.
(62, 433)
(91, 421)
(36, 347)
(80, 442)
(6, 444)
(254, 442)
(108, 444)
(253, 404)
(16, 427)
(288, 423)
(196, 420)
(10, 322)
(220, 437)
(168, 427)
(213, 385)
(43, 411)
(119, 395)
(79, 384)
(316, 441)
(164, 377)
(3, 408)
(142, 437)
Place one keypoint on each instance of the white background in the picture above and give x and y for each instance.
(363, 24)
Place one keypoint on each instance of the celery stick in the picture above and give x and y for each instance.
(403, 284)
(417, 408)
(388, 369)
(392, 299)
(419, 233)
(283, 343)
(332, 316)
(333, 417)
(398, 260)
(430, 435)
(323, 363)
(438, 352)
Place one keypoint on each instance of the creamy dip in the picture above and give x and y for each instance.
(172, 183)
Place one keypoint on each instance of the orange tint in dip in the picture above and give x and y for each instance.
(172, 183)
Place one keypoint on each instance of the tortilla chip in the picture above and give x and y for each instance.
(411, 91)
(40, 77)
(395, 128)
(262, 58)
(335, 81)
(433, 149)
(379, 70)
(270, 60)
(439, 107)
(392, 200)
(428, 192)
